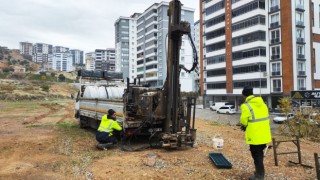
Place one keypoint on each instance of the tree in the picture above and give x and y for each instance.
(62, 77)
(34, 67)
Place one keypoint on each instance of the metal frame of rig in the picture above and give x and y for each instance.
(161, 113)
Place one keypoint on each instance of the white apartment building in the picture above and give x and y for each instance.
(26, 48)
(42, 54)
(266, 44)
(62, 61)
(105, 59)
(150, 55)
(125, 43)
(59, 49)
(90, 61)
(77, 56)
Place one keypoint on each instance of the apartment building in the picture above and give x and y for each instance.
(150, 54)
(196, 40)
(26, 48)
(105, 59)
(90, 61)
(315, 55)
(60, 49)
(125, 43)
(62, 61)
(42, 54)
(77, 56)
(267, 44)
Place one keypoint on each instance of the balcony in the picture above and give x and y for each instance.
(274, 24)
(274, 57)
(274, 8)
(301, 56)
(299, 7)
(300, 40)
(301, 73)
(302, 88)
(276, 73)
(300, 23)
(275, 40)
(276, 90)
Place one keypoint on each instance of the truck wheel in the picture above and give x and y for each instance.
(83, 123)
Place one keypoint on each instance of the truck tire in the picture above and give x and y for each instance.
(83, 123)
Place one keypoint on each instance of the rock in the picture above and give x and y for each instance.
(150, 160)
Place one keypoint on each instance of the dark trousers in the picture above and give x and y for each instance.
(257, 155)
(104, 138)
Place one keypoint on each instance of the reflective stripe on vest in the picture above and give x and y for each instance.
(253, 120)
(104, 129)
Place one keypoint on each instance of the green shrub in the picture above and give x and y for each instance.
(45, 87)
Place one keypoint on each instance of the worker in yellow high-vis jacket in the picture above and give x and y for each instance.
(256, 124)
(105, 131)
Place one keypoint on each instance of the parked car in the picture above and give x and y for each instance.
(217, 105)
(282, 117)
(227, 109)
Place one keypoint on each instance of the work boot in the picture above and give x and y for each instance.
(101, 147)
(255, 177)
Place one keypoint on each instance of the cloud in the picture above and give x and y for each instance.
(78, 24)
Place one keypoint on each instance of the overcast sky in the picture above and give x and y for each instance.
(78, 24)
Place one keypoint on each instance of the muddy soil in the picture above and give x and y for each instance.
(41, 140)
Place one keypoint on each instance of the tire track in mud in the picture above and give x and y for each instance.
(53, 108)
(69, 112)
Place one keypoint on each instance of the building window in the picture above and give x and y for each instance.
(274, 3)
(252, 83)
(299, 18)
(299, 2)
(216, 33)
(215, 20)
(301, 84)
(275, 36)
(275, 52)
(248, 53)
(276, 85)
(254, 36)
(216, 46)
(216, 59)
(300, 51)
(274, 20)
(276, 69)
(221, 85)
(214, 8)
(216, 72)
(244, 24)
(249, 69)
(301, 69)
(248, 7)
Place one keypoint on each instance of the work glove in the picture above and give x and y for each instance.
(243, 128)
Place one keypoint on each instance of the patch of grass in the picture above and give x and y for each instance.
(4, 75)
(215, 124)
(40, 126)
(67, 125)
(55, 115)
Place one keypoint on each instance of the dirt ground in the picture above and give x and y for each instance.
(41, 140)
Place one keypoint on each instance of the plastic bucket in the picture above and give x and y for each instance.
(217, 142)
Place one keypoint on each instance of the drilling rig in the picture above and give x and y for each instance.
(161, 113)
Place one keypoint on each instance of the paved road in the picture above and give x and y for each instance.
(233, 119)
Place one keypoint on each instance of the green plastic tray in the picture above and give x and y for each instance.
(220, 161)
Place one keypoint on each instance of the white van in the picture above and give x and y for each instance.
(215, 106)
